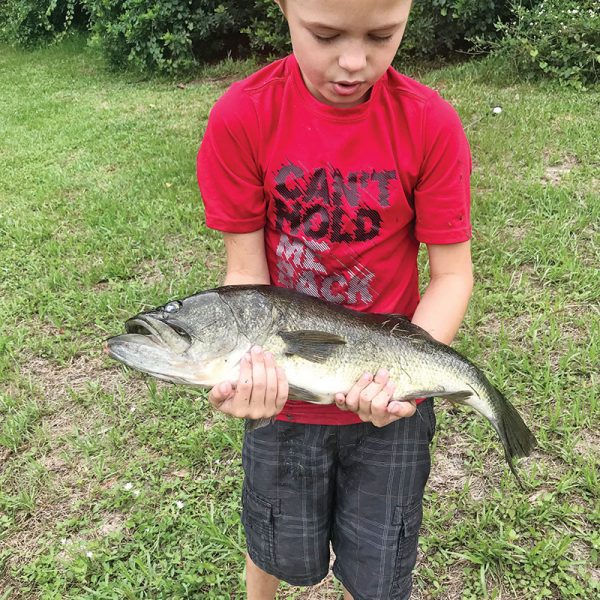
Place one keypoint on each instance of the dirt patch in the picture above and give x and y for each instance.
(4, 454)
(76, 545)
(491, 326)
(554, 174)
(449, 471)
(525, 277)
(56, 380)
(588, 445)
(518, 232)
(148, 271)
(328, 589)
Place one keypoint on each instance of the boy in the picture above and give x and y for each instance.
(325, 170)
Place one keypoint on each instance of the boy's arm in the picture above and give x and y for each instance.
(262, 388)
(246, 259)
(444, 302)
(440, 312)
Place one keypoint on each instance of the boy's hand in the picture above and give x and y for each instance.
(261, 390)
(371, 398)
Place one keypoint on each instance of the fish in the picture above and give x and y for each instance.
(323, 348)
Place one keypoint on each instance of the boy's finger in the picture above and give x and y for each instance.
(282, 389)
(380, 402)
(243, 389)
(340, 400)
(219, 393)
(379, 415)
(382, 376)
(259, 378)
(402, 409)
(270, 382)
(353, 396)
(371, 392)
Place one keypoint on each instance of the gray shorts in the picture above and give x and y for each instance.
(357, 486)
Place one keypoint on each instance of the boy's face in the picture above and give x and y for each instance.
(344, 46)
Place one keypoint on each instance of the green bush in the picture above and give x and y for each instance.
(34, 22)
(168, 36)
(559, 39)
(439, 27)
(267, 30)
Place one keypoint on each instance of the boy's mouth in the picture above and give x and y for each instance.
(346, 88)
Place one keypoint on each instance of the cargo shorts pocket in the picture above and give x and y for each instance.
(257, 518)
(408, 518)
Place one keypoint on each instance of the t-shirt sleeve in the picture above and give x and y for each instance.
(229, 176)
(442, 195)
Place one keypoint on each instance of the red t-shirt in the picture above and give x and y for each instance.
(345, 195)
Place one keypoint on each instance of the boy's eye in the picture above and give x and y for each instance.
(325, 38)
(380, 38)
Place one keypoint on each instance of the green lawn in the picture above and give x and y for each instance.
(113, 486)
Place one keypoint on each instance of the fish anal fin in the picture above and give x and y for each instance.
(458, 397)
(315, 346)
(253, 424)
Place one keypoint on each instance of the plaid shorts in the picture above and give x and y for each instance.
(359, 487)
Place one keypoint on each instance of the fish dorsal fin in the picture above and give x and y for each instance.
(316, 346)
(402, 326)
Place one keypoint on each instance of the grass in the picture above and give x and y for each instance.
(112, 486)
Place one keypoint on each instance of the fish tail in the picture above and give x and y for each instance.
(516, 437)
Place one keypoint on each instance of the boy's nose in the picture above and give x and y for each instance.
(353, 59)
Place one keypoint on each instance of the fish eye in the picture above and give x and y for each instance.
(172, 307)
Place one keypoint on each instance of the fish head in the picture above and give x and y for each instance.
(194, 341)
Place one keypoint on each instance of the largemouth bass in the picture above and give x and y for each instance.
(323, 348)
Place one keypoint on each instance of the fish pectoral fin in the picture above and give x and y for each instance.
(299, 393)
(316, 346)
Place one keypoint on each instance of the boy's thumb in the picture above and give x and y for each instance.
(220, 393)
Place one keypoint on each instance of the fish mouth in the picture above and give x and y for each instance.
(163, 349)
(153, 346)
(156, 329)
(173, 334)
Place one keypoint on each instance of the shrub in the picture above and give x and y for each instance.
(33, 22)
(439, 27)
(168, 36)
(267, 30)
(554, 38)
